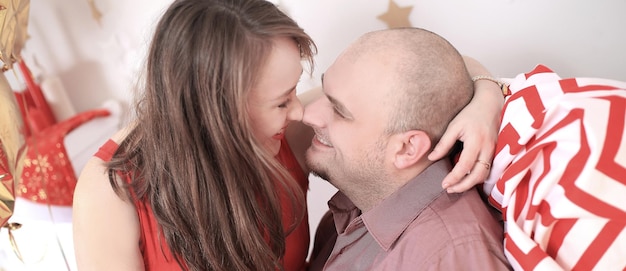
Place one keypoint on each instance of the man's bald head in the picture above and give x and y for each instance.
(430, 85)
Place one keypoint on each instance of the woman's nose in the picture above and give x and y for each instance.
(296, 111)
(312, 113)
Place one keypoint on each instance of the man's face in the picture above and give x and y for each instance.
(349, 122)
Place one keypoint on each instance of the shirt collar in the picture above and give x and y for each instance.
(344, 211)
(390, 218)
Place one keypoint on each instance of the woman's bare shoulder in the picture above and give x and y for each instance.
(105, 226)
(122, 133)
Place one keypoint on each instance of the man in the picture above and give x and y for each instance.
(388, 99)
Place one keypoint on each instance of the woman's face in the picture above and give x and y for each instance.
(272, 102)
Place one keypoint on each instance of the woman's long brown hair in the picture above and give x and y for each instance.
(192, 155)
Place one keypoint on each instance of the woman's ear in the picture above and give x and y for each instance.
(411, 147)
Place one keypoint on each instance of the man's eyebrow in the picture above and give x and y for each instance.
(338, 106)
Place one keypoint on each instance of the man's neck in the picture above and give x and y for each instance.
(366, 197)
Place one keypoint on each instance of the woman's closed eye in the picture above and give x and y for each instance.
(284, 104)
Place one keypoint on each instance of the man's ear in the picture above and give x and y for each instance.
(410, 147)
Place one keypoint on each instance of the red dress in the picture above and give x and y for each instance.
(156, 253)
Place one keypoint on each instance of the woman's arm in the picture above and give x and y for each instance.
(477, 127)
(105, 227)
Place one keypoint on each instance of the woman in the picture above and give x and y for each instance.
(205, 178)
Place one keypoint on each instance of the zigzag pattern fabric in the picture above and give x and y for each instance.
(559, 174)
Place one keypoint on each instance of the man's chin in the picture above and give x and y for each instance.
(320, 174)
(315, 167)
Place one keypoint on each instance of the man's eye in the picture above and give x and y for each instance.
(338, 113)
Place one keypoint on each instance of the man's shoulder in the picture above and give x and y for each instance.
(449, 226)
(451, 218)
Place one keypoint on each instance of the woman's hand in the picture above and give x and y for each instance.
(477, 127)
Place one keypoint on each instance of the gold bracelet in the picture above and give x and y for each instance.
(501, 84)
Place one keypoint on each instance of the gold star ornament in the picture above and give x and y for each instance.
(396, 16)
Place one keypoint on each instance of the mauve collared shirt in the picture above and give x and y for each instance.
(418, 227)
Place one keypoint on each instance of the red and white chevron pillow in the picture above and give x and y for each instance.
(559, 174)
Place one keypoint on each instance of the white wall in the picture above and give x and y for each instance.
(98, 62)
(575, 38)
